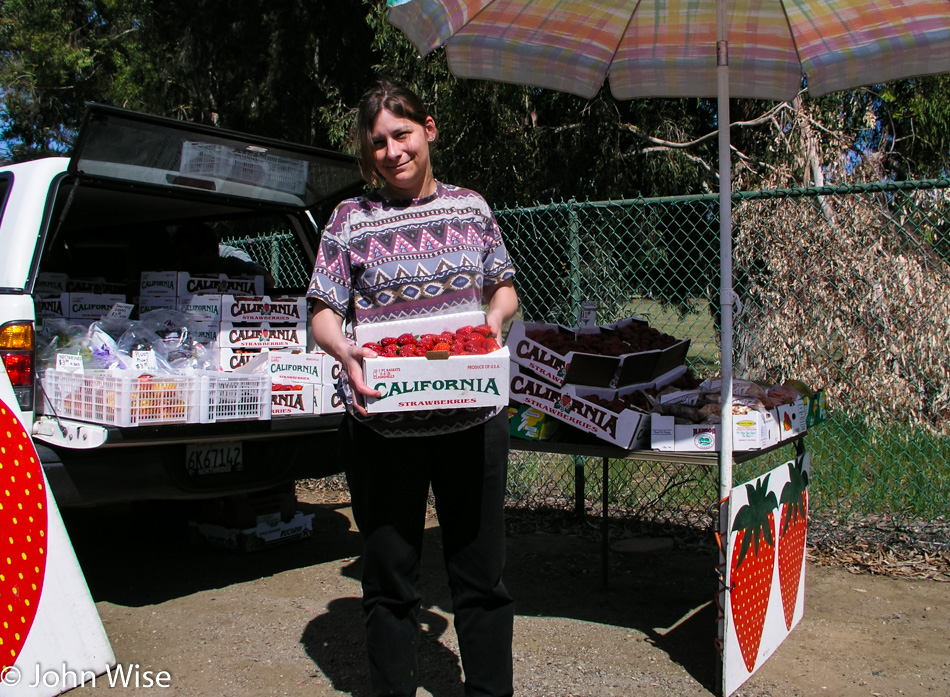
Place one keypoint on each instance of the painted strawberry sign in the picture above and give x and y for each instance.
(765, 574)
(753, 556)
(50, 631)
(23, 537)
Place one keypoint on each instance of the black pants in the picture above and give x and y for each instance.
(389, 482)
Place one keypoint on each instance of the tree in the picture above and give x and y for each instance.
(54, 56)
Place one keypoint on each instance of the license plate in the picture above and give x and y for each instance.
(214, 458)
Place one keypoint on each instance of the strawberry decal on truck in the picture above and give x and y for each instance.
(753, 559)
(23, 541)
(791, 543)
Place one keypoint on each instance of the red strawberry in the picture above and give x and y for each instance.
(447, 337)
(751, 576)
(483, 329)
(388, 340)
(467, 329)
(22, 535)
(404, 339)
(429, 337)
(421, 350)
(390, 350)
(458, 348)
(442, 346)
(407, 350)
(475, 337)
(791, 539)
(491, 345)
(372, 346)
(426, 341)
(474, 347)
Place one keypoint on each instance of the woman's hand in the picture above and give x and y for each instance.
(327, 328)
(502, 305)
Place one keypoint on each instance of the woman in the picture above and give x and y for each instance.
(410, 247)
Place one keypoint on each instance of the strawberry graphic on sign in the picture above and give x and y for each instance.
(753, 559)
(791, 543)
(23, 526)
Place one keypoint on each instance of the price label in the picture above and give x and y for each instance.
(69, 363)
(587, 316)
(144, 360)
(120, 311)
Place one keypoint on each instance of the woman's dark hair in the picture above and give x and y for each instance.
(393, 97)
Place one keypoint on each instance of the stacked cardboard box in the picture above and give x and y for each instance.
(303, 383)
(573, 387)
(752, 429)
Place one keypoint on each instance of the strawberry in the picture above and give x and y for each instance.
(475, 338)
(791, 539)
(421, 350)
(447, 337)
(426, 341)
(407, 350)
(751, 576)
(474, 347)
(467, 329)
(404, 339)
(483, 329)
(23, 526)
(442, 346)
(373, 346)
(390, 350)
(388, 340)
(458, 348)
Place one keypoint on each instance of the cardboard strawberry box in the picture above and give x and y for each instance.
(752, 431)
(295, 399)
(189, 284)
(629, 429)
(557, 368)
(263, 308)
(263, 335)
(592, 368)
(263, 535)
(326, 400)
(437, 381)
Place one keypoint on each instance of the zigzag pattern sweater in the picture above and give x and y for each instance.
(382, 260)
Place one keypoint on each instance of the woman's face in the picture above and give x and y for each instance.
(401, 148)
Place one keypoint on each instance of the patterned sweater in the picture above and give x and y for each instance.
(382, 260)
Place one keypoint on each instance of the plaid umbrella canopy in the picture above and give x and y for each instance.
(757, 49)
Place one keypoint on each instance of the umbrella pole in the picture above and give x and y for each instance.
(726, 300)
(726, 296)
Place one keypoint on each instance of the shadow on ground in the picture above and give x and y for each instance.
(142, 555)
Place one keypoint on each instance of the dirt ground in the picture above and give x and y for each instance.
(287, 620)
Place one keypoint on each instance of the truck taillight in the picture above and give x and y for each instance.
(17, 353)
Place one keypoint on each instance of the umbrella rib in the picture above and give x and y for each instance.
(613, 54)
(791, 35)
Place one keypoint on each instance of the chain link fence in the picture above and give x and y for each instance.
(277, 251)
(844, 288)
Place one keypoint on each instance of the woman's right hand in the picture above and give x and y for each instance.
(327, 328)
(352, 362)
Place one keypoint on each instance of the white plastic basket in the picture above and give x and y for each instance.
(234, 397)
(127, 398)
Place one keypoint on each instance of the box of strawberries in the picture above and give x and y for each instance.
(628, 352)
(437, 362)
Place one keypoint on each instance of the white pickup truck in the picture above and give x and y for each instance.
(107, 213)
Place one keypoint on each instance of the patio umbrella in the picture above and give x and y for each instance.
(756, 49)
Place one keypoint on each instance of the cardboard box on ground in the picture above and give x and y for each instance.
(250, 522)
